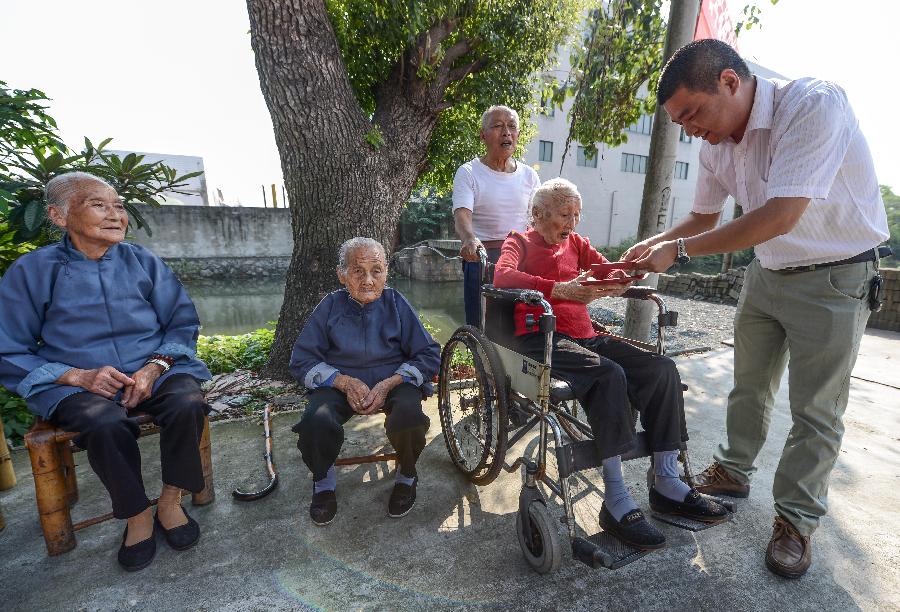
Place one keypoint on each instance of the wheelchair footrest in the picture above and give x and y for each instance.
(604, 550)
(692, 525)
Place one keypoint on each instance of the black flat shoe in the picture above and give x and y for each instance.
(137, 556)
(183, 536)
(633, 529)
(403, 498)
(323, 507)
(695, 506)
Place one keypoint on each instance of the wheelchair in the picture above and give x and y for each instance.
(490, 397)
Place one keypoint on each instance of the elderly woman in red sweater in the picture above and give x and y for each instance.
(605, 374)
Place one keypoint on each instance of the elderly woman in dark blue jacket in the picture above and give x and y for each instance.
(94, 327)
(362, 350)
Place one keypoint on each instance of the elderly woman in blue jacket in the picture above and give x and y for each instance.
(363, 350)
(93, 328)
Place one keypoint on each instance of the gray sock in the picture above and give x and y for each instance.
(329, 483)
(667, 481)
(616, 497)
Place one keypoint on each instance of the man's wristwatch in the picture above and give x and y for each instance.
(682, 257)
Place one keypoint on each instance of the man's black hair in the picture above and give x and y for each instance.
(697, 66)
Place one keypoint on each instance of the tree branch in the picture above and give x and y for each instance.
(458, 74)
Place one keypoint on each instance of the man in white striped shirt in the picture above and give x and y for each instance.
(792, 154)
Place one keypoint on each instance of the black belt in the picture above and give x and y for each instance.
(883, 251)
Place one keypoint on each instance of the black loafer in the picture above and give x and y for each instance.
(183, 536)
(137, 556)
(633, 529)
(403, 498)
(695, 506)
(323, 507)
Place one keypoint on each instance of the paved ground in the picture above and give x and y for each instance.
(457, 549)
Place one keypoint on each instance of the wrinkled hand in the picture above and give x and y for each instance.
(143, 385)
(105, 381)
(637, 251)
(377, 396)
(659, 257)
(469, 250)
(355, 390)
(574, 291)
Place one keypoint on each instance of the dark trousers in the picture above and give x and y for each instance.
(322, 427)
(472, 279)
(110, 438)
(605, 375)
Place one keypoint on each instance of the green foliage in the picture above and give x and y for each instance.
(892, 206)
(426, 212)
(495, 46)
(10, 249)
(374, 137)
(15, 415)
(228, 353)
(621, 50)
(614, 253)
(31, 154)
(750, 17)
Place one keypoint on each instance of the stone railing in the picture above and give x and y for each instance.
(722, 288)
(726, 288)
(426, 262)
(889, 315)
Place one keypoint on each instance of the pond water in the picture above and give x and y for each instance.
(236, 307)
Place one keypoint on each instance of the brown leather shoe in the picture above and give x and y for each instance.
(714, 480)
(789, 554)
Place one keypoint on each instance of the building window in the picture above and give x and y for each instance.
(634, 163)
(683, 137)
(643, 126)
(545, 151)
(582, 159)
(681, 170)
(547, 107)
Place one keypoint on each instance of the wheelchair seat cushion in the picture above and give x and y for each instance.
(560, 391)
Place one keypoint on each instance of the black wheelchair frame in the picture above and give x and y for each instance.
(476, 426)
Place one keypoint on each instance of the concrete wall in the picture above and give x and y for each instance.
(194, 232)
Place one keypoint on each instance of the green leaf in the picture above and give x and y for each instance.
(34, 215)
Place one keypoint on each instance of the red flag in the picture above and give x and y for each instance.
(714, 21)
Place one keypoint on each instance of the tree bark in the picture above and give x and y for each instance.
(658, 183)
(345, 175)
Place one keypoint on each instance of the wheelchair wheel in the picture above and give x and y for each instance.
(472, 402)
(545, 553)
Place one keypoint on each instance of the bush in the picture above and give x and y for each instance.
(228, 353)
(16, 416)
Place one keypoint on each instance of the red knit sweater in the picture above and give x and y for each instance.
(528, 262)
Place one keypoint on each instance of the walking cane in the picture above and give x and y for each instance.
(270, 465)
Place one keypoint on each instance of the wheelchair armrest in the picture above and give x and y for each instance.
(528, 296)
(639, 293)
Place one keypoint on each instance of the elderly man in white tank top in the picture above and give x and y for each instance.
(490, 198)
(792, 154)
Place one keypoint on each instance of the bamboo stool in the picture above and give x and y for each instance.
(56, 488)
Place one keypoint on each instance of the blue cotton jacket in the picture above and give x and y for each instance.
(370, 342)
(59, 310)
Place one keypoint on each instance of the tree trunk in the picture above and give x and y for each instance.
(658, 183)
(345, 176)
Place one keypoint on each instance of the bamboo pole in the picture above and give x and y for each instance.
(50, 490)
(7, 474)
(208, 494)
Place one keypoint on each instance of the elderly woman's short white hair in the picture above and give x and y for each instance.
(554, 192)
(485, 117)
(359, 242)
(59, 191)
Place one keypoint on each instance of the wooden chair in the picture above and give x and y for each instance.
(56, 488)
